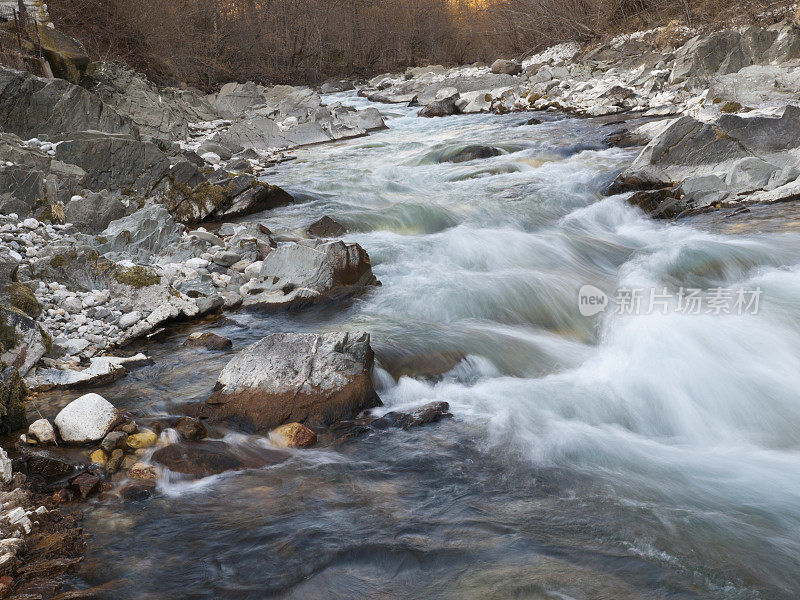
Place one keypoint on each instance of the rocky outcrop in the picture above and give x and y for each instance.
(730, 50)
(162, 113)
(304, 273)
(115, 161)
(311, 379)
(31, 106)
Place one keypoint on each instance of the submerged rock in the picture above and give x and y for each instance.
(190, 428)
(473, 152)
(86, 419)
(213, 457)
(311, 379)
(209, 341)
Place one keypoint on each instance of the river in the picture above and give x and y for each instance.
(654, 454)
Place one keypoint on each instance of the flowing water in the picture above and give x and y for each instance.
(615, 456)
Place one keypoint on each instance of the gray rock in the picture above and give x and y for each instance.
(147, 232)
(158, 113)
(34, 106)
(444, 104)
(208, 146)
(86, 419)
(506, 67)
(689, 147)
(301, 274)
(226, 258)
(326, 228)
(23, 342)
(94, 212)
(722, 52)
(210, 304)
(750, 174)
(114, 440)
(114, 162)
(293, 377)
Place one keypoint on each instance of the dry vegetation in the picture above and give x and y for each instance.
(206, 42)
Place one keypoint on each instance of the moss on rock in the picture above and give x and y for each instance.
(731, 107)
(138, 277)
(12, 400)
(9, 338)
(22, 298)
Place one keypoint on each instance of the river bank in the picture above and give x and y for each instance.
(236, 332)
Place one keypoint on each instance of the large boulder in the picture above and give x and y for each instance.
(115, 162)
(443, 105)
(191, 197)
(31, 106)
(690, 147)
(86, 419)
(300, 274)
(94, 212)
(304, 378)
(149, 231)
(33, 179)
(506, 67)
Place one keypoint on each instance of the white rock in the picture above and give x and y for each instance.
(211, 158)
(197, 263)
(30, 223)
(42, 431)
(15, 255)
(253, 270)
(19, 517)
(76, 197)
(86, 419)
(129, 319)
(5, 467)
(72, 305)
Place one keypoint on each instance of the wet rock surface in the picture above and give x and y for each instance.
(304, 378)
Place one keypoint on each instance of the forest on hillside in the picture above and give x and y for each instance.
(207, 42)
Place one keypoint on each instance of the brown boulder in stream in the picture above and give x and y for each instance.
(303, 378)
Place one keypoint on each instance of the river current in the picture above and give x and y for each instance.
(650, 453)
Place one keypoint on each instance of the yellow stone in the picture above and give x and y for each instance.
(143, 471)
(99, 457)
(293, 435)
(144, 439)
